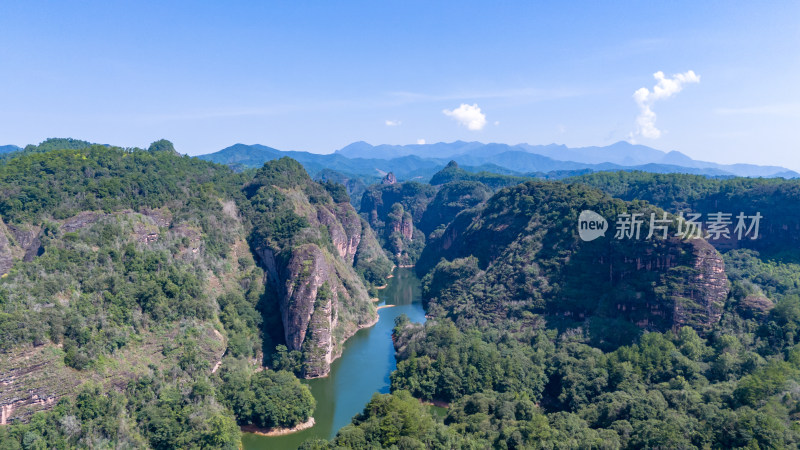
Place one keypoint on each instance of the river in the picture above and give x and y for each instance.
(363, 369)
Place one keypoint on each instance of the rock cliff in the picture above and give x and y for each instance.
(394, 210)
(321, 298)
(700, 302)
(524, 255)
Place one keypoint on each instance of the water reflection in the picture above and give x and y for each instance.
(363, 369)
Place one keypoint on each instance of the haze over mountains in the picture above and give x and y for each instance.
(422, 160)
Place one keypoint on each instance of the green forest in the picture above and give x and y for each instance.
(154, 300)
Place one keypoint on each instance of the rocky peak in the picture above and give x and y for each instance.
(389, 179)
(322, 300)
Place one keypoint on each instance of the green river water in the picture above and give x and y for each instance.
(362, 370)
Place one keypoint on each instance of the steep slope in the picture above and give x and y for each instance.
(520, 254)
(539, 339)
(309, 243)
(393, 210)
(131, 306)
(774, 199)
(451, 199)
(105, 289)
(355, 186)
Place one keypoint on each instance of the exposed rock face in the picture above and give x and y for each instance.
(344, 226)
(321, 298)
(707, 289)
(83, 220)
(389, 179)
(404, 226)
(528, 259)
(163, 218)
(307, 270)
(29, 240)
(6, 255)
(754, 306)
(393, 211)
(691, 286)
(407, 228)
(318, 324)
(18, 243)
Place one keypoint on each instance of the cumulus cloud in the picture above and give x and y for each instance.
(420, 141)
(468, 115)
(393, 123)
(644, 98)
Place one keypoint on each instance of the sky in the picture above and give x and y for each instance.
(720, 78)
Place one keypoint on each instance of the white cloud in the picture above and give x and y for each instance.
(420, 141)
(644, 98)
(468, 115)
(496, 122)
(393, 123)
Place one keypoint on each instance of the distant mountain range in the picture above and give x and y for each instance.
(423, 160)
(369, 163)
(370, 170)
(545, 158)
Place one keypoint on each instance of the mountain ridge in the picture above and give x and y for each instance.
(9, 148)
(620, 153)
(423, 160)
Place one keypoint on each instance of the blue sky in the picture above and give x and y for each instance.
(316, 76)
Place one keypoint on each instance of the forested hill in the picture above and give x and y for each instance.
(774, 198)
(538, 339)
(138, 303)
(143, 294)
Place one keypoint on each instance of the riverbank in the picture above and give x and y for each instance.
(278, 431)
(361, 370)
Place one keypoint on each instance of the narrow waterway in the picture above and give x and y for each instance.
(362, 370)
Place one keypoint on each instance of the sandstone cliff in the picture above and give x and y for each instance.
(520, 254)
(394, 210)
(321, 298)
